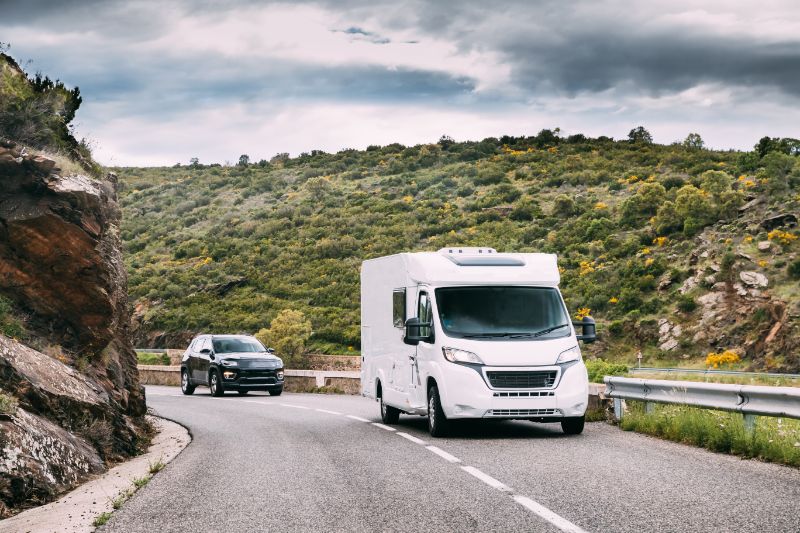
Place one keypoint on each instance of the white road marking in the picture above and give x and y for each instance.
(354, 417)
(443, 454)
(387, 428)
(486, 478)
(329, 412)
(254, 401)
(543, 512)
(295, 406)
(411, 438)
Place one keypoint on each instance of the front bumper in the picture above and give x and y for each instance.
(467, 394)
(245, 379)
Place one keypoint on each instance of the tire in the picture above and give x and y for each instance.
(573, 425)
(186, 386)
(438, 425)
(215, 384)
(275, 392)
(389, 414)
(242, 392)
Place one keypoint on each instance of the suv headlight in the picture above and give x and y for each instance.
(454, 355)
(572, 354)
(229, 362)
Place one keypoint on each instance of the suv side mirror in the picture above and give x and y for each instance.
(270, 350)
(206, 351)
(414, 331)
(589, 330)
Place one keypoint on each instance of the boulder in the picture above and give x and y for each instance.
(764, 246)
(753, 279)
(39, 460)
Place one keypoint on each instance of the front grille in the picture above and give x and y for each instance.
(258, 377)
(522, 412)
(522, 379)
(524, 394)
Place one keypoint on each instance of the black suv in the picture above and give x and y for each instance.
(230, 362)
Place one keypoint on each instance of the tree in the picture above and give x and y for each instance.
(640, 135)
(693, 141)
(244, 160)
(445, 141)
(194, 162)
(287, 333)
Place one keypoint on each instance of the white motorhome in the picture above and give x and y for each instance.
(471, 333)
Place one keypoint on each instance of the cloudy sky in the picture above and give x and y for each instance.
(169, 80)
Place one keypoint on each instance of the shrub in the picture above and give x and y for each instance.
(287, 334)
(148, 358)
(8, 404)
(686, 303)
(794, 269)
(728, 357)
(597, 368)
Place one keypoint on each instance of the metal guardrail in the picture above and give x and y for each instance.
(654, 370)
(750, 400)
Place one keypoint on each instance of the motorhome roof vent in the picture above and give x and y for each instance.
(480, 257)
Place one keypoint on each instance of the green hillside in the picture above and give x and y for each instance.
(653, 239)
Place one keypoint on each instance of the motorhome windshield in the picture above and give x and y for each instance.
(502, 312)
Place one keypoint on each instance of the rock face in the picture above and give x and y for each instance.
(61, 267)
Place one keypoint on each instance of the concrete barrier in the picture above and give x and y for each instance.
(295, 380)
(344, 382)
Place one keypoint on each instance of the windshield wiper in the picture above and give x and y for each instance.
(487, 335)
(548, 330)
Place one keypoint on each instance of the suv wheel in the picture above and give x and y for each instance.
(389, 414)
(215, 384)
(573, 425)
(186, 387)
(275, 392)
(438, 425)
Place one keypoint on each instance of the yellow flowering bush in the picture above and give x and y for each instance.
(660, 241)
(783, 237)
(582, 312)
(613, 300)
(586, 267)
(728, 357)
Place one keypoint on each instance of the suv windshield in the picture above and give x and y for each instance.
(510, 312)
(237, 345)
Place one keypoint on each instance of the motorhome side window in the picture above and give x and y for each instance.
(399, 307)
(424, 313)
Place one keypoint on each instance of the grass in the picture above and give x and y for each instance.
(101, 519)
(721, 378)
(149, 358)
(156, 467)
(776, 440)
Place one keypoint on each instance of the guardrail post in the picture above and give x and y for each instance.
(749, 424)
(618, 408)
(649, 407)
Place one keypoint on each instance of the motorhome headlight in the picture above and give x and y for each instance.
(229, 362)
(454, 355)
(573, 354)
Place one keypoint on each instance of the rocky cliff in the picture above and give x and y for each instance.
(70, 398)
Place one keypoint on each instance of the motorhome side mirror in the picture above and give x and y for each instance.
(414, 331)
(589, 330)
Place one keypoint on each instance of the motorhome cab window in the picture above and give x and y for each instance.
(502, 312)
(424, 313)
(399, 307)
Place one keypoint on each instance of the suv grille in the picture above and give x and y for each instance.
(535, 379)
(523, 412)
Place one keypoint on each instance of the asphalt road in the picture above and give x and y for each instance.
(303, 462)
